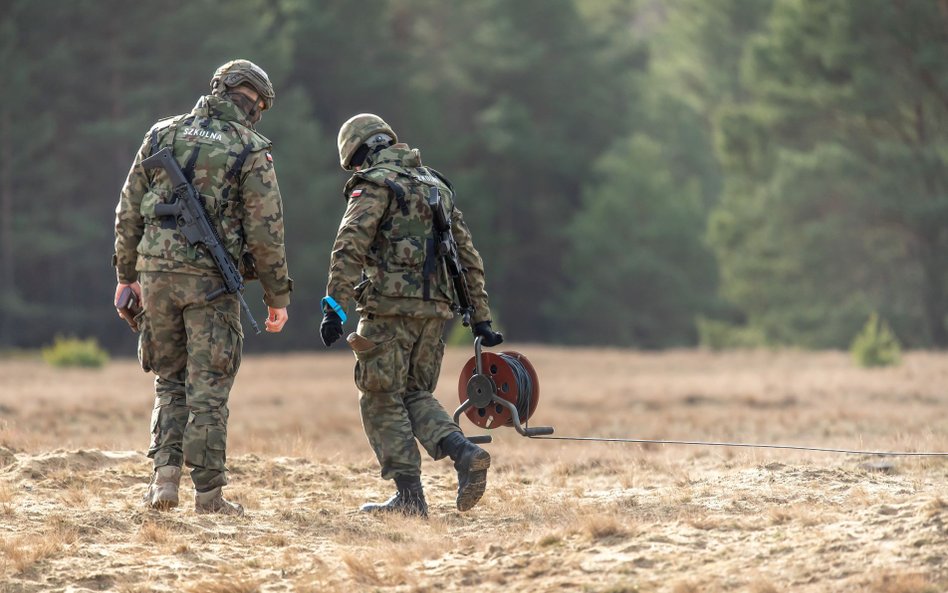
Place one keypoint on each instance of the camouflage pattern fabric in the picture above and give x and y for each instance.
(194, 348)
(396, 379)
(246, 206)
(387, 231)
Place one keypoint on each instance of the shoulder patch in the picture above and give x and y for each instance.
(355, 193)
(269, 157)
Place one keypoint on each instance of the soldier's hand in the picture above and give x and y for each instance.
(276, 319)
(136, 288)
(488, 336)
(330, 329)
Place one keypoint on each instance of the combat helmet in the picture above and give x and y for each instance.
(237, 72)
(358, 130)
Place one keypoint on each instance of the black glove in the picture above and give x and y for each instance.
(330, 329)
(489, 336)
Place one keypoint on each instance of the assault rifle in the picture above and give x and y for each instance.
(197, 227)
(447, 249)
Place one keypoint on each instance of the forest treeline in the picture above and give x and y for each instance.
(646, 173)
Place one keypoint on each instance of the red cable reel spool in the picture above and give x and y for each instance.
(499, 389)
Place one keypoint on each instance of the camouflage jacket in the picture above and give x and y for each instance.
(233, 171)
(386, 234)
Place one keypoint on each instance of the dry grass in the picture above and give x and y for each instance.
(606, 526)
(904, 583)
(7, 498)
(558, 515)
(155, 534)
(225, 584)
(21, 553)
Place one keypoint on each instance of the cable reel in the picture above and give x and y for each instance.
(516, 400)
(499, 389)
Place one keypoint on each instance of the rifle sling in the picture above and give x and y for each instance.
(429, 266)
(189, 166)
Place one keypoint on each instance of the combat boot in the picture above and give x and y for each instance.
(471, 463)
(213, 501)
(409, 500)
(162, 493)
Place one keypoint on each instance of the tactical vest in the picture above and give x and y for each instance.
(212, 153)
(403, 262)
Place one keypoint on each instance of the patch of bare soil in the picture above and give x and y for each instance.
(558, 515)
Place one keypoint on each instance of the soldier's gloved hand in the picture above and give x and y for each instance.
(330, 329)
(488, 336)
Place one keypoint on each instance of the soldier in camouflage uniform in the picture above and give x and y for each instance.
(194, 345)
(384, 257)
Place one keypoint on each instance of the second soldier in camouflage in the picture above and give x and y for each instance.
(384, 257)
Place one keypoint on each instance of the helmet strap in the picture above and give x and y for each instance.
(358, 157)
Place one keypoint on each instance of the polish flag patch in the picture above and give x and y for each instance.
(355, 193)
(269, 157)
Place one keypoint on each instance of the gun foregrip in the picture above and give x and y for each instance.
(216, 293)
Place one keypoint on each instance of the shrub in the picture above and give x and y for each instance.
(73, 352)
(876, 345)
(721, 335)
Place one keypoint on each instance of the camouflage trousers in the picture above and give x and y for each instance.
(396, 378)
(194, 348)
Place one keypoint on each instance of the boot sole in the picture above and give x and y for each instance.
(471, 493)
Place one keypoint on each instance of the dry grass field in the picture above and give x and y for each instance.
(558, 515)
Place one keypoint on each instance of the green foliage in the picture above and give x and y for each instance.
(836, 160)
(74, 352)
(629, 169)
(876, 345)
(460, 336)
(639, 272)
(721, 335)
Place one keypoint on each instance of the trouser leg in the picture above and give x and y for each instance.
(215, 341)
(381, 375)
(162, 349)
(167, 423)
(430, 422)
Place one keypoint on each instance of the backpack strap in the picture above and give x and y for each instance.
(399, 196)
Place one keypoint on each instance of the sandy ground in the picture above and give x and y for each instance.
(558, 515)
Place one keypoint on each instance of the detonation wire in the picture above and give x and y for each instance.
(750, 445)
(525, 393)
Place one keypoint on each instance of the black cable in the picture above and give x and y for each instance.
(524, 385)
